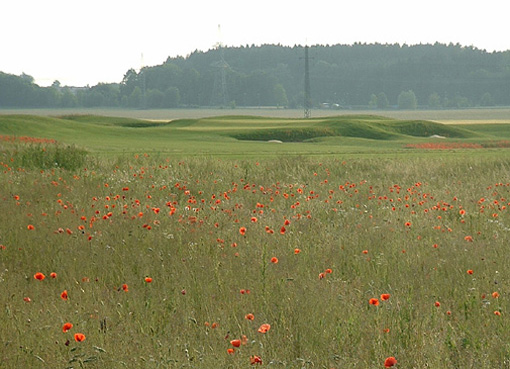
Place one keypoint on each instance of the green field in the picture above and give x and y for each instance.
(196, 243)
(242, 136)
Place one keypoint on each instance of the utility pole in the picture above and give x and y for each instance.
(308, 95)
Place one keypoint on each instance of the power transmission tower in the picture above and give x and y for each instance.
(144, 87)
(308, 95)
(220, 93)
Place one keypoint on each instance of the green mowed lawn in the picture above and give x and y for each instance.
(241, 136)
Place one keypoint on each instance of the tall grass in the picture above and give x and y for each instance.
(411, 228)
(43, 155)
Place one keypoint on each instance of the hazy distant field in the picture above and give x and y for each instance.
(493, 115)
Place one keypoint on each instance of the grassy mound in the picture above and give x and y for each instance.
(368, 127)
(112, 121)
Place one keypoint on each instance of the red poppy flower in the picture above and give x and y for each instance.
(469, 271)
(264, 328)
(374, 302)
(64, 295)
(148, 279)
(242, 230)
(274, 260)
(230, 351)
(125, 287)
(498, 313)
(389, 362)
(27, 299)
(282, 230)
(67, 327)
(437, 304)
(79, 337)
(385, 296)
(236, 343)
(495, 295)
(39, 276)
(30, 227)
(53, 275)
(249, 316)
(296, 251)
(254, 359)
(328, 271)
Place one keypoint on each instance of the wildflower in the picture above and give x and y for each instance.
(230, 351)
(495, 295)
(437, 304)
(148, 279)
(274, 260)
(214, 325)
(389, 362)
(79, 337)
(249, 316)
(374, 301)
(365, 252)
(497, 313)
(264, 328)
(125, 287)
(30, 227)
(385, 296)
(67, 327)
(64, 295)
(322, 275)
(328, 271)
(254, 359)
(296, 251)
(27, 299)
(469, 271)
(282, 230)
(242, 230)
(53, 275)
(235, 343)
(39, 276)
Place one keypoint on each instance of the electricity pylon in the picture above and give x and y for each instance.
(308, 95)
(220, 78)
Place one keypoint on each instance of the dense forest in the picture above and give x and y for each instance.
(341, 76)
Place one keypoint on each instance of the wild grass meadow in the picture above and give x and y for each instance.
(143, 260)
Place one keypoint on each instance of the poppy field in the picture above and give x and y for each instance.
(147, 260)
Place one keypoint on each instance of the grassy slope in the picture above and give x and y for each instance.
(245, 135)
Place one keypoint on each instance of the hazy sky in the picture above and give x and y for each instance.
(85, 42)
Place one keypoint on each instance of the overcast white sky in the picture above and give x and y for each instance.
(85, 42)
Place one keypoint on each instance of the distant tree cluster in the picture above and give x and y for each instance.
(342, 76)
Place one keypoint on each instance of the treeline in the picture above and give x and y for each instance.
(342, 76)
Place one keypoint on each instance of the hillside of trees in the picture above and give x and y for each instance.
(341, 76)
